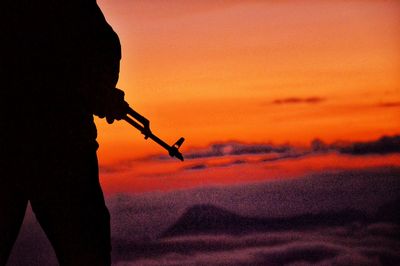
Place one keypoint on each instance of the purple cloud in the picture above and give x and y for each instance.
(139, 219)
(389, 104)
(384, 145)
(297, 100)
(236, 148)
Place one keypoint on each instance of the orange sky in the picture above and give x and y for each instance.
(255, 71)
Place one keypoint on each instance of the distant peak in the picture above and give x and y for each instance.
(207, 211)
(203, 218)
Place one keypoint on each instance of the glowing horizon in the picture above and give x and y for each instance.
(255, 71)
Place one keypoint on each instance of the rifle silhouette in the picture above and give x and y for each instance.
(143, 125)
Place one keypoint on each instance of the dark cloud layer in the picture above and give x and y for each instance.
(296, 100)
(389, 104)
(384, 145)
(202, 166)
(138, 221)
(318, 247)
(381, 146)
(235, 148)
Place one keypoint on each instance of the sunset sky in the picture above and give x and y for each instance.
(251, 74)
(291, 114)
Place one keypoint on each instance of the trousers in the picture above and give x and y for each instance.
(62, 186)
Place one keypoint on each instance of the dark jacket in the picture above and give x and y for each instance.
(59, 65)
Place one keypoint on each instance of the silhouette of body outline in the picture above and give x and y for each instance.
(59, 66)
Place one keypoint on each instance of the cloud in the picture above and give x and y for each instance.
(307, 252)
(389, 230)
(239, 159)
(146, 216)
(202, 166)
(285, 156)
(196, 167)
(235, 152)
(111, 169)
(296, 100)
(389, 104)
(316, 247)
(235, 148)
(383, 145)
(138, 220)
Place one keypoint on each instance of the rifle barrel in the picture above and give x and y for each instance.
(145, 130)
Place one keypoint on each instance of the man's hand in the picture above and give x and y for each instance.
(115, 107)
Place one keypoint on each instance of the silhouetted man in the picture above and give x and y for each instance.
(59, 66)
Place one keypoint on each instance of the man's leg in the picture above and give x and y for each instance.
(12, 211)
(72, 212)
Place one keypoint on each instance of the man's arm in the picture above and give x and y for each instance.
(101, 66)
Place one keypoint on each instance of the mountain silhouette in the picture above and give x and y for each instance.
(210, 219)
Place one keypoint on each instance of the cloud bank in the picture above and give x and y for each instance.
(389, 104)
(235, 148)
(138, 220)
(235, 153)
(297, 100)
(383, 145)
(334, 246)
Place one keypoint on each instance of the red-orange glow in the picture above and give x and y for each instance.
(212, 71)
(149, 176)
